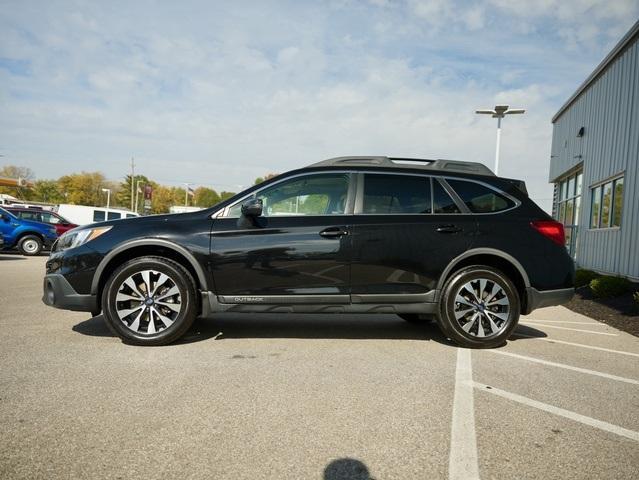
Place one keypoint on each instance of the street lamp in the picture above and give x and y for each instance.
(499, 112)
(108, 192)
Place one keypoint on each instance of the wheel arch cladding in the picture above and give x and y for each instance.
(158, 248)
(499, 260)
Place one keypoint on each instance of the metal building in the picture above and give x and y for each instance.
(594, 164)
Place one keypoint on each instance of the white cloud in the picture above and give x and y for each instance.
(220, 93)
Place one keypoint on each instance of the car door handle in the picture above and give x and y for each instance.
(333, 232)
(448, 229)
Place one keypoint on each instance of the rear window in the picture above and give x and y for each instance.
(479, 198)
(385, 194)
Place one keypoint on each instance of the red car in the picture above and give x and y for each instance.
(60, 223)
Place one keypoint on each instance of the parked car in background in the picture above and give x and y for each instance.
(60, 223)
(84, 215)
(420, 238)
(27, 236)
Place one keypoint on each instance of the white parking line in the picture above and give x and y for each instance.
(463, 463)
(577, 417)
(567, 367)
(526, 322)
(581, 345)
(594, 324)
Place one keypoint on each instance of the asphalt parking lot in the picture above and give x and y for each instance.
(310, 397)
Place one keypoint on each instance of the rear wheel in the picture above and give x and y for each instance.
(479, 307)
(30, 245)
(149, 301)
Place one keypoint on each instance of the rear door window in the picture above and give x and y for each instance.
(479, 198)
(393, 194)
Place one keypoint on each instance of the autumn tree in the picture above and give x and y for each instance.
(47, 191)
(16, 172)
(266, 177)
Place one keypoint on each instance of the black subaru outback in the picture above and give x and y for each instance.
(422, 239)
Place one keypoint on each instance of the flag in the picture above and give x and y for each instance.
(190, 191)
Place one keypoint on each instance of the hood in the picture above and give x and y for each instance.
(160, 218)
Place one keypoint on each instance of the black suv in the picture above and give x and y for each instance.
(423, 239)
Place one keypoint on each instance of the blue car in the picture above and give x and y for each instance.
(29, 237)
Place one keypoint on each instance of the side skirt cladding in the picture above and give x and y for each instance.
(213, 304)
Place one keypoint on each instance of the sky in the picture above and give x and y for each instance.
(219, 93)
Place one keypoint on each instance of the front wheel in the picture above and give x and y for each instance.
(149, 301)
(479, 307)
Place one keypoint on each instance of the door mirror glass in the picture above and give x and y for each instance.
(252, 208)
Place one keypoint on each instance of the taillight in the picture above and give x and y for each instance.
(550, 229)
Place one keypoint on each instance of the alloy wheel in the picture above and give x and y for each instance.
(148, 302)
(482, 308)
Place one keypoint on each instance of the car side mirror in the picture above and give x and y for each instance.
(252, 208)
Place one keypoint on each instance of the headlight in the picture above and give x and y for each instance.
(75, 238)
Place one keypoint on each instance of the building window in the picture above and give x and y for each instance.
(568, 205)
(606, 204)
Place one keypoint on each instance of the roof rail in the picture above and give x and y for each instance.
(441, 165)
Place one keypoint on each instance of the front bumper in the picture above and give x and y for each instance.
(545, 298)
(59, 293)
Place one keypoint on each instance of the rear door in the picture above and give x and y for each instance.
(298, 251)
(406, 229)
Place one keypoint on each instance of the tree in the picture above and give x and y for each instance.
(166, 197)
(266, 177)
(12, 171)
(47, 191)
(226, 195)
(205, 197)
(124, 191)
(83, 188)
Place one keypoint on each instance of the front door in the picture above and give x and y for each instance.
(406, 231)
(297, 251)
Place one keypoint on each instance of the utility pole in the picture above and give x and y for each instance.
(186, 196)
(132, 181)
(137, 194)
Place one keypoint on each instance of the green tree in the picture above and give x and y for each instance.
(124, 191)
(47, 191)
(84, 188)
(205, 197)
(226, 195)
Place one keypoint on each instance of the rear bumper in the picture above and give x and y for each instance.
(58, 293)
(537, 299)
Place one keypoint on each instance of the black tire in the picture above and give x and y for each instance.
(416, 318)
(508, 314)
(160, 334)
(30, 245)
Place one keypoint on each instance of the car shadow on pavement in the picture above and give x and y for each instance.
(349, 327)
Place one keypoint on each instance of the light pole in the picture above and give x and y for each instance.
(499, 112)
(108, 192)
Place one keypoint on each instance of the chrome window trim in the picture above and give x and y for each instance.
(355, 195)
(464, 210)
(350, 195)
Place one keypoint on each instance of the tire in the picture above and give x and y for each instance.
(488, 311)
(30, 245)
(157, 319)
(416, 318)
